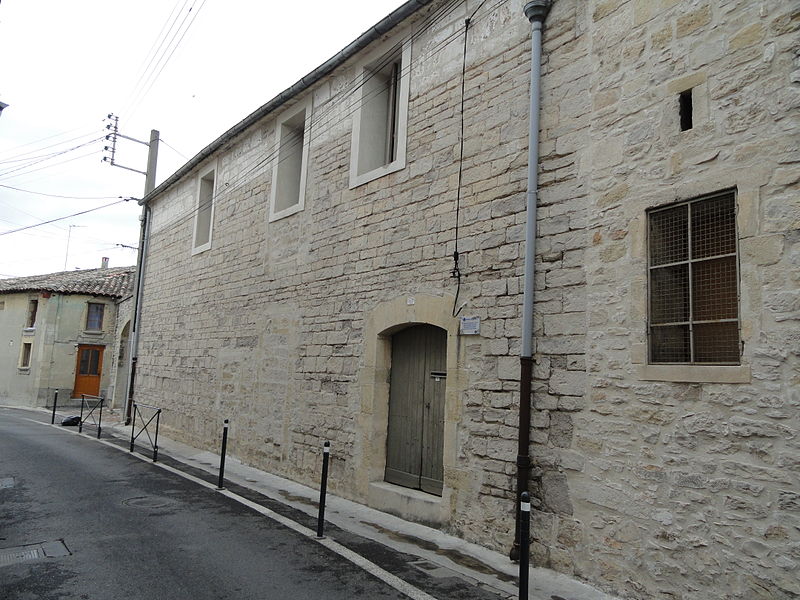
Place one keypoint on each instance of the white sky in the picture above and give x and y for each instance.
(65, 65)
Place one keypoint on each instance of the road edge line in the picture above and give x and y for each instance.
(376, 571)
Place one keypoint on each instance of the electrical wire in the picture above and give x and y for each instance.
(178, 152)
(154, 48)
(92, 153)
(334, 114)
(55, 234)
(44, 139)
(319, 116)
(137, 103)
(83, 212)
(5, 174)
(244, 175)
(24, 156)
(16, 189)
(456, 272)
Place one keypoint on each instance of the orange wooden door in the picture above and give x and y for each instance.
(88, 371)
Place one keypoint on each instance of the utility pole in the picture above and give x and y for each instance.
(66, 253)
(152, 154)
(149, 186)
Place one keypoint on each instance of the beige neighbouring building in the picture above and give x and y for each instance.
(299, 280)
(62, 332)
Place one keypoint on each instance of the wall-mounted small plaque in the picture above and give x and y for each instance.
(470, 326)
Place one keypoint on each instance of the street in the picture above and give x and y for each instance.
(133, 531)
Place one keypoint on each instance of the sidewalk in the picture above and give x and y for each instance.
(428, 550)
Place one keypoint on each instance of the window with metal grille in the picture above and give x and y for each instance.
(694, 282)
(94, 316)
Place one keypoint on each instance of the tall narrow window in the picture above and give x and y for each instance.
(205, 212)
(33, 307)
(380, 122)
(94, 316)
(685, 110)
(693, 282)
(25, 357)
(287, 195)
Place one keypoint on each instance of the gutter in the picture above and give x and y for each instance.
(366, 38)
(536, 12)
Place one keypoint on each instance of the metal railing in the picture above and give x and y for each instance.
(156, 415)
(91, 404)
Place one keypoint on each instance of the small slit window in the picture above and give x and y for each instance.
(693, 282)
(685, 110)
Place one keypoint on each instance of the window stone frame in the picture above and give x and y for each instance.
(357, 146)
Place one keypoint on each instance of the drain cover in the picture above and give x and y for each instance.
(147, 502)
(6, 482)
(434, 570)
(12, 556)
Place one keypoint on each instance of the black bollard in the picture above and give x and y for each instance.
(155, 439)
(326, 453)
(100, 419)
(222, 454)
(133, 427)
(55, 401)
(524, 543)
(80, 423)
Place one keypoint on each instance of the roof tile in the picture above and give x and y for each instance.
(116, 282)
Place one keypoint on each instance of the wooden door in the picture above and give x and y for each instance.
(416, 408)
(88, 371)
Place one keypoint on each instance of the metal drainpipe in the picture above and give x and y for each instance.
(536, 12)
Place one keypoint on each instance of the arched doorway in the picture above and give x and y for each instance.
(415, 436)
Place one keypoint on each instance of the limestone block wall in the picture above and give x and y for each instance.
(652, 488)
(667, 482)
(268, 326)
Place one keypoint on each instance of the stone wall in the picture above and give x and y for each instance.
(118, 353)
(650, 488)
(17, 386)
(667, 489)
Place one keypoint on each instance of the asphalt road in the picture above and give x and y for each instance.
(133, 531)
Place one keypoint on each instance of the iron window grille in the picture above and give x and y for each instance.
(693, 282)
